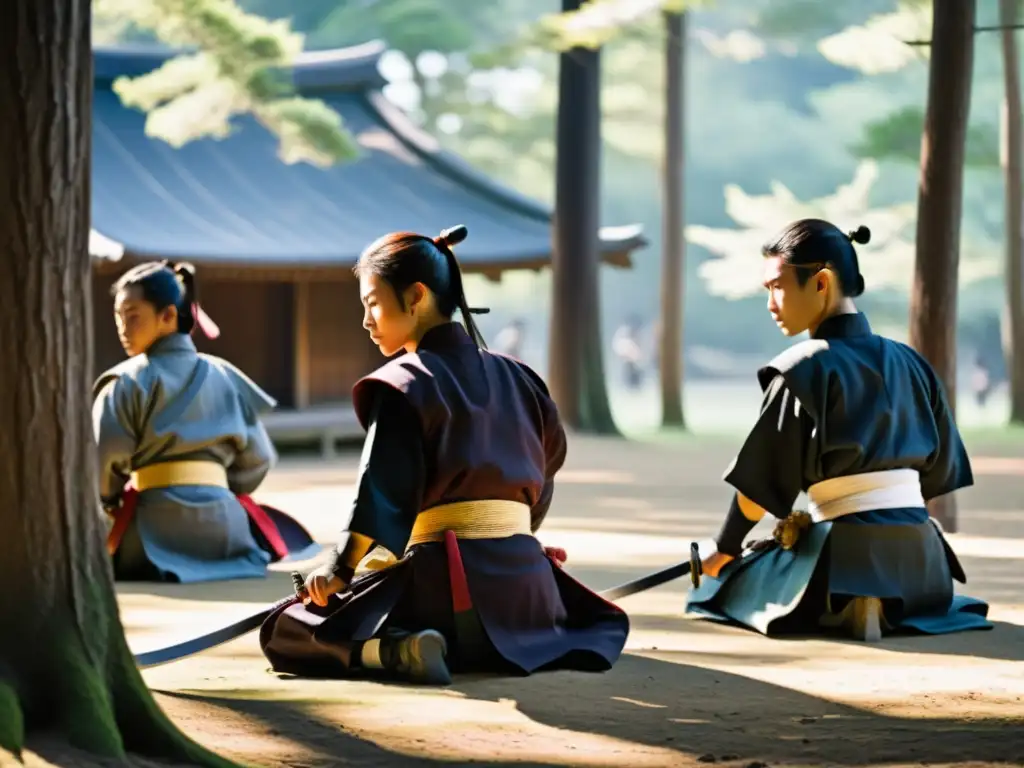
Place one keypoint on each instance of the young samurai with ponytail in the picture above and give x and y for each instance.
(457, 474)
(181, 444)
(860, 423)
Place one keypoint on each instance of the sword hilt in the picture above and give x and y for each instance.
(696, 567)
(299, 582)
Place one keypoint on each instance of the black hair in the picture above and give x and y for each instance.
(164, 285)
(811, 245)
(404, 258)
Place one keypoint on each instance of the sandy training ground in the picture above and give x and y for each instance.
(687, 692)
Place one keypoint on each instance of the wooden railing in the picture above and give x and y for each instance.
(329, 424)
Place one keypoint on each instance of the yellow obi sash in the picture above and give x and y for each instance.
(173, 473)
(485, 519)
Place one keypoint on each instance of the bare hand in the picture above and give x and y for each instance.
(320, 585)
(714, 563)
(557, 554)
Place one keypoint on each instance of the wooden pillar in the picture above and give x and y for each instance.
(301, 308)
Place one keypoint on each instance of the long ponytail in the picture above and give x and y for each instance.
(186, 273)
(445, 242)
(192, 314)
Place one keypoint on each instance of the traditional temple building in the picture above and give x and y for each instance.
(274, 244)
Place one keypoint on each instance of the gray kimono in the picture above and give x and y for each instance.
(173, 404)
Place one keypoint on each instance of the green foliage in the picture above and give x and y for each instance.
(237, 69)
(803, 22)
(480, 49)
(791, 115)
(411, 26)
(898, 137)
(803, 18)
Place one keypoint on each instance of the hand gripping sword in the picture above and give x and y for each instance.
(160, 656)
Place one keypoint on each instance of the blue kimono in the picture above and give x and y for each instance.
(845, 409)
(172, 404)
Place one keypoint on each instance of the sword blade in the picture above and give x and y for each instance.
(650, 581)
(210, 640)
(226, 634)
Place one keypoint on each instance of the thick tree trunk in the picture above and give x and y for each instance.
(64, 662)
(576, 367)
(933, 297)
(1013, 176)
(671, 336)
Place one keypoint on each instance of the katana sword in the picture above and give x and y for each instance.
(254, 621)
(650, 581)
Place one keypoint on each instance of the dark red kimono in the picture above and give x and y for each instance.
(455, 423)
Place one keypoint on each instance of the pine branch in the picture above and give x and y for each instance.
(237, 66)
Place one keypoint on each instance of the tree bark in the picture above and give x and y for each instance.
(1013, 177)
(64, 661)
(933, 296)
(576, 360)
(672, 259)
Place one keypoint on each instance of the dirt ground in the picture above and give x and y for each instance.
(686, 692)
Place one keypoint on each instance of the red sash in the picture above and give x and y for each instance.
(124, 514)
(265, 525)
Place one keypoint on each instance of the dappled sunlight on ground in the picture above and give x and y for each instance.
(469, 729)
(686, 689)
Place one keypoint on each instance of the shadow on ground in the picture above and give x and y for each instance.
(684, 712)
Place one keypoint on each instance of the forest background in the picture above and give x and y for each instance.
(794, 108)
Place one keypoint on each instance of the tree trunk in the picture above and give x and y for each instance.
(672, 259)
(576, 367)
(933, 297)
(1013, 176)
(64, 661)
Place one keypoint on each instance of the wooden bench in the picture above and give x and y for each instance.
(327, 423)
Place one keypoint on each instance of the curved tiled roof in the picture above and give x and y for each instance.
(232, 202)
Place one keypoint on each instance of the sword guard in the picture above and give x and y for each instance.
(696, 567)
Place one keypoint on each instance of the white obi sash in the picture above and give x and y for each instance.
(865, 492)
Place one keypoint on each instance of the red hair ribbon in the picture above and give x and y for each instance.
(209, 328)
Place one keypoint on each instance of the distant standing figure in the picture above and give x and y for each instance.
(981, 380)
(510, 339)
(627, 348)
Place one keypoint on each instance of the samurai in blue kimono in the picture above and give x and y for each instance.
(861, 424)
(180, 444)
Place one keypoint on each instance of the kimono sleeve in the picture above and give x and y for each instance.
(769, 467)
(949, 468)
(390, 486)
(256, 453)
(256, 457)
(555, 459)
(555, 450)
(116, 411)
